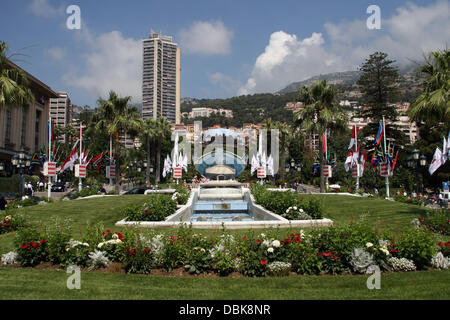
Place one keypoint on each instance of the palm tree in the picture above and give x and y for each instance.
(115, 117)
(434, 103)
(162, 128)
(14, 89)
(284, 130)
(321, 112)
(148, 135)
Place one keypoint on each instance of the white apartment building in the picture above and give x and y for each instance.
(61, 111)
(161, 78)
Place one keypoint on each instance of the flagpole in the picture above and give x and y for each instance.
(80, 184)
(387, 176)
(357, 160)
(49, 184)
(110, 160)
(326, 157)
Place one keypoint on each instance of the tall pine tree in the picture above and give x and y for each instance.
(379, 85)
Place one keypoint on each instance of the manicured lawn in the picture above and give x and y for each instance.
(378, 212)
(47, 284)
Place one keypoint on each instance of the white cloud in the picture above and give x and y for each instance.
(226, 83)
(409, 33)
(206, 38)
(287, 59)
(111, 63)
(57, 53)
(43, 8)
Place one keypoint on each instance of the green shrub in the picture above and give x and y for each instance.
(418, 245)
(305, 259)
(31, 246)
(279, 202)
(437, 221)
(138, 259)
(58, 235)
(22, 203)
(156, 208)
(11, 221)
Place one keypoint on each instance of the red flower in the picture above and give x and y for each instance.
(120, 236)
(104, 234)
(297, 235)
(35, 245)
(244, 238)
(257, 240)
(287, 240)
(25, 245)
(171, 242)
(127, 248)
(263, 262)
(326, 254)
(421, 220)
(292, 235)
(319, 254)
(108, 231)
(334, 257)
(447, 243)
(345, 235)
(443, 229)
(43, 241)
(441, 244)
(171, 237)
(147, 250)
(394, 250)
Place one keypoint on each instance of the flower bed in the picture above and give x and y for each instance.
(289, 205)
(156, 208)
(10, 221)
(436, 221)
(351, 249)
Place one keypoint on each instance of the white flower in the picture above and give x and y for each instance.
(262, 235)
(10, 258)
(287, 211)
(369, 244)
(7, 218)
(115, 236)
(159, 236)
(301, 210)
(270, 250)
(295, 208)
(100, 245)
(266, 243)
(276, 243)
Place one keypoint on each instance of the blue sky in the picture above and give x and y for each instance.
(228, 47)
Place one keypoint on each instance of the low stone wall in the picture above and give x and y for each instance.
(267, 218)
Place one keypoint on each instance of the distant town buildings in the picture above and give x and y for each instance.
(161, 78)
(61, 112)
(207, 112)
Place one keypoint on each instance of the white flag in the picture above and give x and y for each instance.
(270, 165)
(348, 161)
(167, 166)
(255, 165)
(444, 151)
(436, 162)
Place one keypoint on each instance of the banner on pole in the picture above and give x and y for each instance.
(50, 169)
(110, 172)
(261, 172)
(177, 172)
(385, 170)
(356, 172)
(327, 171)
(80, 170)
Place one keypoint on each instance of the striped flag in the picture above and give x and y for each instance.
(379, 134)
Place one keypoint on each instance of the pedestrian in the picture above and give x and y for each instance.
(3, 203)
(30, 189)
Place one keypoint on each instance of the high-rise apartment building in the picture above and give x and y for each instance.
(161, 78)
(61, 111)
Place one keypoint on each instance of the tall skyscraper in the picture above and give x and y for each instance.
(61, 111)
(161, 78)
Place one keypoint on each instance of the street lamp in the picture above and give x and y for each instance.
(20, 161)
(415, 161)
(2, 166)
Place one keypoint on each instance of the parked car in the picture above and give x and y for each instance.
(137, 190)
(59, 187)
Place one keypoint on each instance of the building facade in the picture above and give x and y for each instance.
(61, 112)
(207, 112)
(25, 126)
(161, 78)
